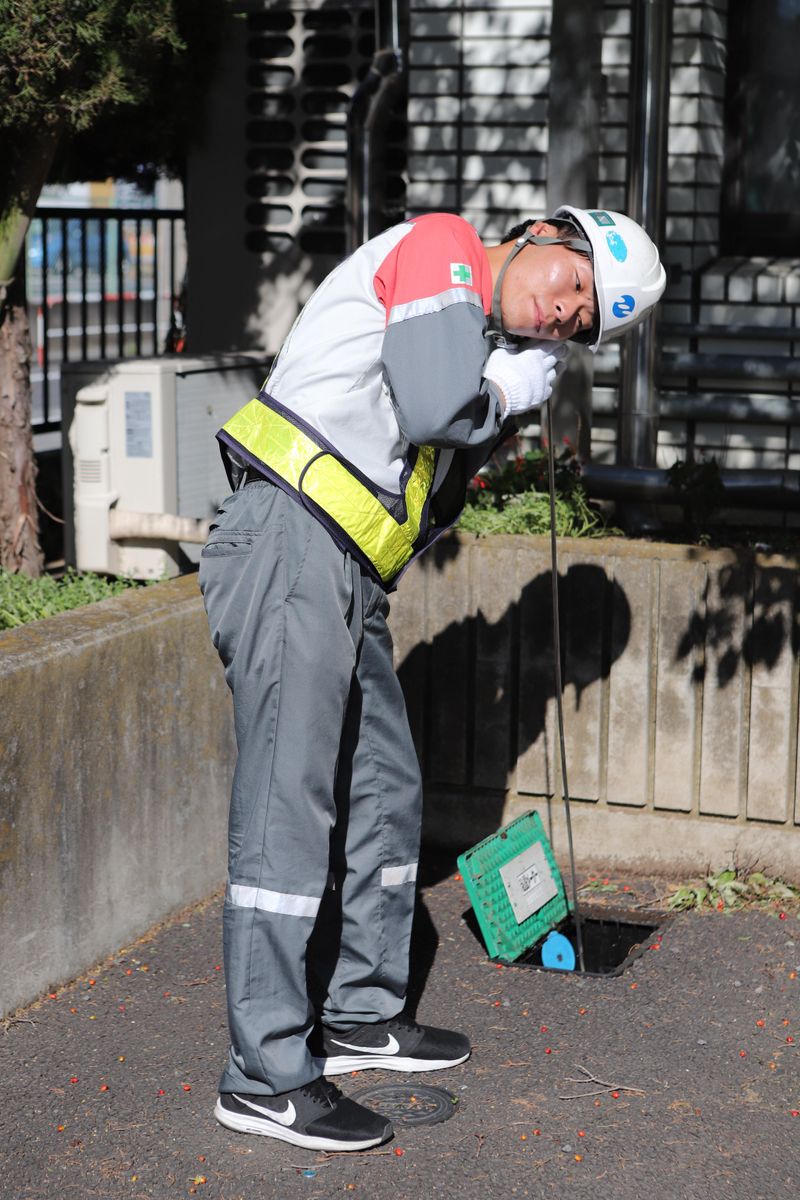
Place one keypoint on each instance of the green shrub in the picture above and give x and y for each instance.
(513, 498)
(23, 599)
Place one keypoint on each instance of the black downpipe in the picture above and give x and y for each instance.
(647, 178)
(370, 111)
(760, 488)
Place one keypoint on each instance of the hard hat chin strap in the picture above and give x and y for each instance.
(534, 239)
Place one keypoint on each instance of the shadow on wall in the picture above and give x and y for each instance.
(477, 692)
(749, 617)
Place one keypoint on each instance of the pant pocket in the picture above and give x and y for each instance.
(226, 543)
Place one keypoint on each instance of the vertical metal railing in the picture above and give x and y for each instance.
(100, 281)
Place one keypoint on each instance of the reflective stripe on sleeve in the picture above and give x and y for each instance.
(394, 876)
(274, 902)
(433, 304)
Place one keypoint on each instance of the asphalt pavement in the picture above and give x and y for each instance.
(678, 1079)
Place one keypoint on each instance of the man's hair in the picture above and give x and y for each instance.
(565, 230)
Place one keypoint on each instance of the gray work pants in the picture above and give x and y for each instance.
(325, 808)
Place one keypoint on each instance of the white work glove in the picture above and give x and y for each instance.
(526, 376)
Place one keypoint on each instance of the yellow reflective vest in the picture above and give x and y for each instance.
(288, 451)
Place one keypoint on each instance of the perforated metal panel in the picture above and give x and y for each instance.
(304, 63)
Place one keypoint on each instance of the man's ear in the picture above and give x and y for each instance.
(543, 229)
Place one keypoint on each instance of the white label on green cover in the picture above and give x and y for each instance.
(528, 882)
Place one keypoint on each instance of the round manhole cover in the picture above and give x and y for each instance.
(407, 1103)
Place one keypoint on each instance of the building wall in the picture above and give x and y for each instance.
(270, 181)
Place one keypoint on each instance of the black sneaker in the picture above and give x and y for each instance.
(395, 1045)
(316, 1116)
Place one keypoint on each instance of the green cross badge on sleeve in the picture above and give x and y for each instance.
(460, 273)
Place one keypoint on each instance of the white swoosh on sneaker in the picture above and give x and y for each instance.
(391, 1047)
(287, 1117)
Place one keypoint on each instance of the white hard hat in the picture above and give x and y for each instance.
(629, 278)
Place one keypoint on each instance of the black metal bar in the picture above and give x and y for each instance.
(761, 333)
(113, 213)
(102, 301)
(45, 325)
(173, 299)
(64, 291)
(84, 307)
(138, 289)
(120, 291)
(716, 407)
(155, 287)
(765, 368)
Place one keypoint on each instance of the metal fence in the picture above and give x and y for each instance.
(100, 283)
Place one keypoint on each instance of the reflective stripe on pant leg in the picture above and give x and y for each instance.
(378, 845)
(290, 659)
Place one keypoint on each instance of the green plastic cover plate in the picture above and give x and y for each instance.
(515, 887)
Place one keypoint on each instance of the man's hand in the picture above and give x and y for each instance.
(526, 375)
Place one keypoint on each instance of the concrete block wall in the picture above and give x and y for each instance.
(116, 746)
(681, 704)
(681, 697)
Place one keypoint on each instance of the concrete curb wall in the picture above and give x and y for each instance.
(681, 697)
(115, 750)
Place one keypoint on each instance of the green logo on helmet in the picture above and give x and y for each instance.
(602, 218)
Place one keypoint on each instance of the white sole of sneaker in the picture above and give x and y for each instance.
(341, 1064)
(244, 1124)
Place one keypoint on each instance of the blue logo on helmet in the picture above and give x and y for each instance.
(616, 245)
(623, 307)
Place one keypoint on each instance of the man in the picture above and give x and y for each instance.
(405, 369)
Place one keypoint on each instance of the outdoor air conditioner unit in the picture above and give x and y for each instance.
(141, 461)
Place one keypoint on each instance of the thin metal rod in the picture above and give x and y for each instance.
(551, 464)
